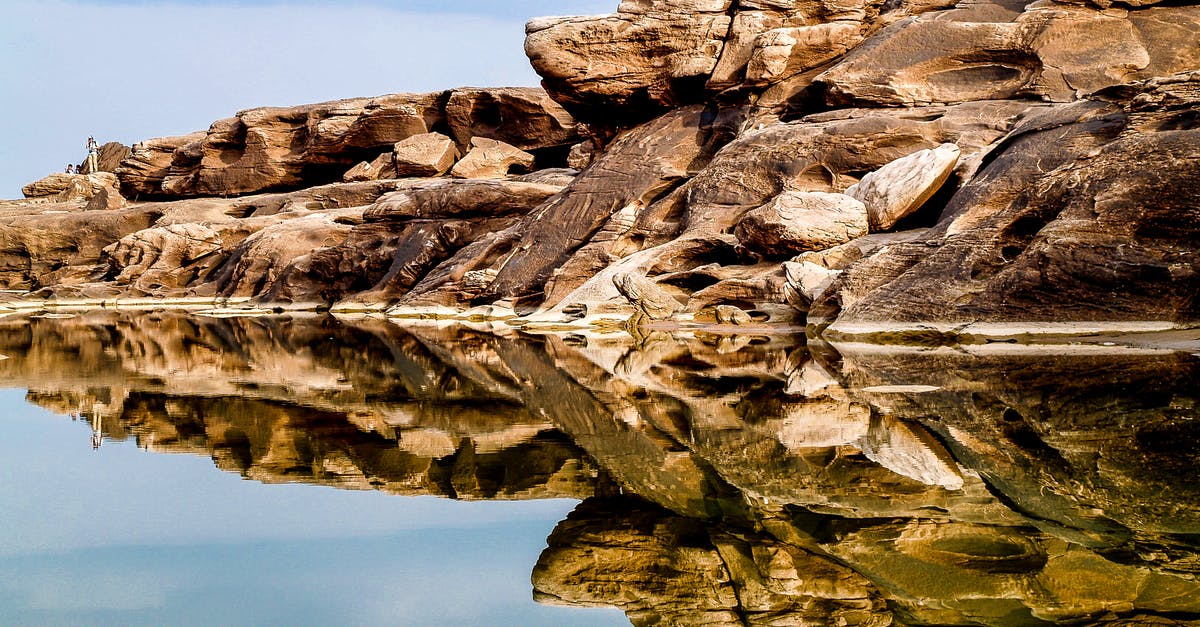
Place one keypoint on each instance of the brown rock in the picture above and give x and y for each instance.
(491, 159)
(169, 256)
(647, 57)
(899, 188)
(1057, 227)
(427, 154)
(1055, 52)
(50, 185)
(459, 199)
(525, 117)
(654, 301)
(149, 162)
(382, 167)
(794, 222)
(784, 52)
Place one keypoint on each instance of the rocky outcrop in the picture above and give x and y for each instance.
(1032, 232)
(290, 147)
(726, 151)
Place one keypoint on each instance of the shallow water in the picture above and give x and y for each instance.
(362, 473)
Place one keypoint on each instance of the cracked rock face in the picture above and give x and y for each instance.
(290, 147)
(1057, 211)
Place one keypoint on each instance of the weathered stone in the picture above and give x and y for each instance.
(382, 167)
(581, 155)
(784, 52)
(639, 166)
(1053, 51)
(149, 162)
(491, 159)
(1057, 227)
(525, 117)
(427, 154)
(105, 198)
(728, 314)
(262, 258)
(899, 188)
(806, 281)
(794, 222)
(459, 199)
(51, 185)
(167, 256)
(654, 301)
(629, 65)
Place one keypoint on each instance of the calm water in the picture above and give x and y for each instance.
(165, 469)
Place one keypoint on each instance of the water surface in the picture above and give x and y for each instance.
(358, 472)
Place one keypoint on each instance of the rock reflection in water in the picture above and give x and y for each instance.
(726, 480)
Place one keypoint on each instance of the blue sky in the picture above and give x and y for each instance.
(126, 70)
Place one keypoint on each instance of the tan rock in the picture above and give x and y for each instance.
(899, 188)
(794, 222)
(1052, 51)
(162, 256)
(581, 155)
(51, 185)
(784, 52)
(382, 167)
(427, 154)
(491, 159)
(728, 314)
(633, 64)
(654, 301)
(525, 117)
(806, 281)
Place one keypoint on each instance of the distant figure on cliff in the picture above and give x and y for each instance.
(70, 169)
(93, 158)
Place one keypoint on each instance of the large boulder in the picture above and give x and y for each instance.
(491, 159)
(794, 222)
(427, 154)
(647, 57)
(899, 188)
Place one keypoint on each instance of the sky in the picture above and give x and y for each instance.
(127, 70)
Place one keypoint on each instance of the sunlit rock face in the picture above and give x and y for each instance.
(274, 148)
(726, 479)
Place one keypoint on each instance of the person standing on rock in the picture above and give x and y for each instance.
(93, 158)
(70, 169)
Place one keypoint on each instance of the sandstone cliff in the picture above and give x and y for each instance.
(864, 166)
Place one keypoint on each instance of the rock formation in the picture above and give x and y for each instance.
(727, 152)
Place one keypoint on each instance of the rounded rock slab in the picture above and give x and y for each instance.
(795, 222)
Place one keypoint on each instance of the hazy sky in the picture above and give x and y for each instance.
(126, 70)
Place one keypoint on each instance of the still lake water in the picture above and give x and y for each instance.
(167, 469)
